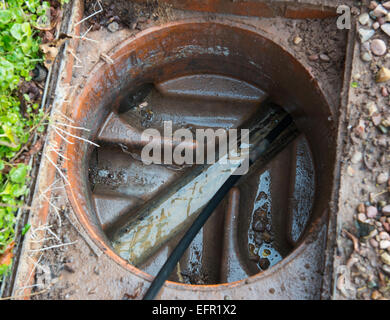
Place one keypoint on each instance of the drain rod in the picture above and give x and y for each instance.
(281, 135)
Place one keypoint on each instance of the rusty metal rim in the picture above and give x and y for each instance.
(73, 171)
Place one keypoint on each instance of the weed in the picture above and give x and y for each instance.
(19, 54)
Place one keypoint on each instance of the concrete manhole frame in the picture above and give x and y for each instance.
(267, 278)
(123, 56)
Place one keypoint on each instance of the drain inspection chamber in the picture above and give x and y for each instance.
(267, 239)
(207, 75)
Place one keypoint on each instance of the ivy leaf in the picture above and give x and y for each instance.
(5, 16)
(18, 174)
(21, 30)
(18, 190)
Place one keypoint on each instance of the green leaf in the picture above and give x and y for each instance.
(21, 30)
(18, 190)
(18, 174)
(5, 16)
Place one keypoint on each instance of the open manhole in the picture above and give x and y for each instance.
(202, 74)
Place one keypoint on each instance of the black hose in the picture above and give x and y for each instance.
(199, 222)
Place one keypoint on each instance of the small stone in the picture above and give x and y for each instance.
(376, 295)
(350, 171)
(379, 11)
(297, 40)
(386, 5)
(384, 92)
(361, 217)
(374, 243)
(384, 244)
(382, 20)
(366, 46)
(313, 57)
(383, 75)
(113, 27)
(386, 122)
(378, 47)
(385, 258)
(366, 56)
(372, 212)
(386, 28)
(364, 18)
(386, 210)
(382, 141)
(361, 208)
(372, 5)
(382, 203)
(376, 25)
(382, 178)
(357, 157)
(383, 129)
(360, 128)
(366, 34)
(376, 119)
(357, 76)
(386, 269)
(264, 263)
(324, 57)
(143, 105)
(371, 108)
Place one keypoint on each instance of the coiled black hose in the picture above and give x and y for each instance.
(199, 222)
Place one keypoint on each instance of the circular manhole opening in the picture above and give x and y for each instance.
(202, 75)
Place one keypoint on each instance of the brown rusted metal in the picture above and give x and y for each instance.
(238, 51)
(231, 266)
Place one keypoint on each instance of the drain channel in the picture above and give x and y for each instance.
(244, 240)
